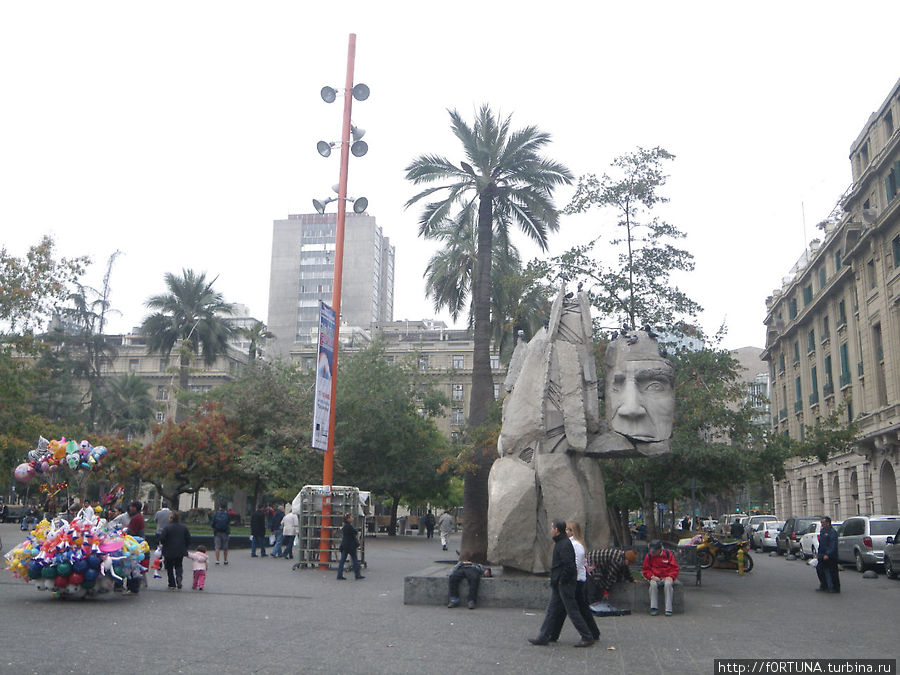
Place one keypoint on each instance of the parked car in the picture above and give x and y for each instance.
(788, 539)
(764, 536)
(753, 523)
(809, 541)
(862, 539)
(892, 555)
(710, 525)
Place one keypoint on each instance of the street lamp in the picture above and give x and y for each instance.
(360, 92)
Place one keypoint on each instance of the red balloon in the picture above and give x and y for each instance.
(76, 578)
(61, 582)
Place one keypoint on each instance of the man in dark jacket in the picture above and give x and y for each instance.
(349, 544)
(563, 575)
(175, 540)
(827, 555)
(258, 531)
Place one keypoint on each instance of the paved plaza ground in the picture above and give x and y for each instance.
(259, 616)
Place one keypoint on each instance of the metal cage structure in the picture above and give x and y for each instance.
(308, 507)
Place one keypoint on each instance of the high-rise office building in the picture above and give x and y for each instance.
(302, 274)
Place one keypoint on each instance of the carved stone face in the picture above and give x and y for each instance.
(640, 396)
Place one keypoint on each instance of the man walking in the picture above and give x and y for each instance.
(162, 517)
(175, 540)
(563, 603)
(258, 531)
(445, 526)
(827, 555)
(221, 527)
(349, 545)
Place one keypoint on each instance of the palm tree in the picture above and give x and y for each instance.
(128, 407)
(193, 313)
(257, 334)
(505, 180)
(518, 300)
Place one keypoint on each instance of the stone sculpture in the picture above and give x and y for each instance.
(552, 436)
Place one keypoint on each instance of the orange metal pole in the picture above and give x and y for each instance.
(328, 462)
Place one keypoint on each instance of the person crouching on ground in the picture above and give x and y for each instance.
(660, 567)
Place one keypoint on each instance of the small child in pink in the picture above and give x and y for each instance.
(199, 559)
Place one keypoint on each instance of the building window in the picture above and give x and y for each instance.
(423, 362)
(163, 365)
(796, 352)
(845, 366)
(495, 361)
(889, 124)
(162, 394)
(456, 416)
(798, 395)
(781, 363)
(870, 274)
(828, 388)
(134, 365)
(459, 361)
(792, 308)
(895, 247)
(456, 392)
(814, 383)
(807, 294)
(891, 182)
(823, 277)
(837, 261)
(496, 391)
(811, 342)
(160, 415)
(842, 314)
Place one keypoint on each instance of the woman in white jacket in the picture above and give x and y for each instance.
(290, 528)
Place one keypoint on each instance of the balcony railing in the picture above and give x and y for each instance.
(828, 389)
(845, 379)
(798, 406)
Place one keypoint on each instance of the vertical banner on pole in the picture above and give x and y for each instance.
(324, 366)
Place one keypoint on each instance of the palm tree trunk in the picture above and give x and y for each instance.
(183, 371)
(475, 491)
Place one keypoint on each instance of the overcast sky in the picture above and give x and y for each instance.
(177, 132)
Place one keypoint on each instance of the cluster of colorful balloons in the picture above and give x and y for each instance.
(76, 559)
(49, 456)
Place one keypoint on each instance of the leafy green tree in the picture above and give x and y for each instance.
(127, 406)
(271, 407)
(504, 180)
(637, 287)
(31, 288)
(193, 313)
(386, 439)
(201, 451)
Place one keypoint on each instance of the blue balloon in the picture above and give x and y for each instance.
(91, 574)
(94, 561)
(80, 566)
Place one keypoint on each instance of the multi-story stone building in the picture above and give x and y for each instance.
(161, 372)
(442, 355)
(302, 274)
(833, 338)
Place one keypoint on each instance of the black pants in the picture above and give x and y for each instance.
(829, 577)
(472, 575)
(174, 570)
(287, 546)
(581, 597)
(563, 603)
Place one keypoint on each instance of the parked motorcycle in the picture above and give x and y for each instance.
(712, 550)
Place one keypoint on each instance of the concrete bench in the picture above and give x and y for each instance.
(521, 591)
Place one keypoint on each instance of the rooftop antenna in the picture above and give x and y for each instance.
(803, 215)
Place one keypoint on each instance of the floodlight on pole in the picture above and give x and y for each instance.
(328, 94)
(360, 92)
